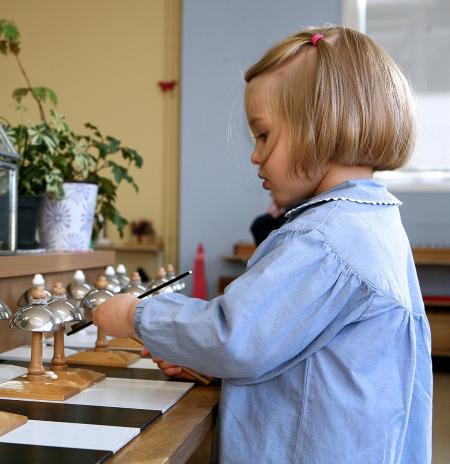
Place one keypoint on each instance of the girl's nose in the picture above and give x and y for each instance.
(255, 158)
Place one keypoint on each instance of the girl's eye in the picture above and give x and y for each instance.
(262, 136)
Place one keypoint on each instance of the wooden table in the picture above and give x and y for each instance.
(174, 436)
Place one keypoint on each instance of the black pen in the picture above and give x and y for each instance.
(82, 325)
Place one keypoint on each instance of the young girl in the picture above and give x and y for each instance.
(323, 344)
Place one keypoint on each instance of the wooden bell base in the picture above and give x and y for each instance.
(103, 358)
(126, 344)
(81, 378)
(47, 389)
(10, 421)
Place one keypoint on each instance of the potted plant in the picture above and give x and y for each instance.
(77, 174)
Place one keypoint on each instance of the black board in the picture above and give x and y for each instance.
(12, 453)
(125, 372)
(80, 414)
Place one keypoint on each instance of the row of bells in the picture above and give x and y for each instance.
(42, 310)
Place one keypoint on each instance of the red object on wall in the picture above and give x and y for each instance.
(167, 85)
(199, 279)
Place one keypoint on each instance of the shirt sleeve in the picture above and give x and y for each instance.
(292, 300)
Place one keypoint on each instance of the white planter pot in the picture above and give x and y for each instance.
(66, 225)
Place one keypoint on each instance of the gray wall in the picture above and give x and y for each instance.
(220, 194)
(426, 218)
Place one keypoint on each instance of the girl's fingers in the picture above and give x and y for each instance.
(184, 375)
(172, 371)
(165, 365)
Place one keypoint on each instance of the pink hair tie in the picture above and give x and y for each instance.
(316, 37)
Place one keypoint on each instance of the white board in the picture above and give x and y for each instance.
(71, 435)
(8, 372)
(152, 395)
(23, 353)
(86, 338)
(144, 363)
(156, 395)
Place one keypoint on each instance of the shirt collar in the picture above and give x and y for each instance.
(365, 191)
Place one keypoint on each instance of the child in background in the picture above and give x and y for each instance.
(268, 222)
(322, 345)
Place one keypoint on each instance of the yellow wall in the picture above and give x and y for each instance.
(104, 59)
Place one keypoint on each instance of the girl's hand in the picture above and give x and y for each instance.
(115, 316)
(171, 370)
(145, 353)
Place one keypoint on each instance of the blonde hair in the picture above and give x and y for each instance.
(344, 100)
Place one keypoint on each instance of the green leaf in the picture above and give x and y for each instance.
(3, 47)
(14, 48)
(106, 187)
(55, 187)
(10, 36)
(135, 186)
(19, 93)
(50, 142)
(94, 129)
(133, 156)
(113, 215)
(118, 171)
(58, 121)
(9, 31)
(113, 143)
(138, 160)
(44, 93)
(81, 163)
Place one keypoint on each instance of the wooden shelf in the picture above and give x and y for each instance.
(148, 256)
(432, 256)
(133, 247)
(237, 258)
(422, 256)
(27, 264)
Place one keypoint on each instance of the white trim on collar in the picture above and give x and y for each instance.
(354, 200)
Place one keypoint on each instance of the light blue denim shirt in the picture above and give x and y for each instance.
(322, 344)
